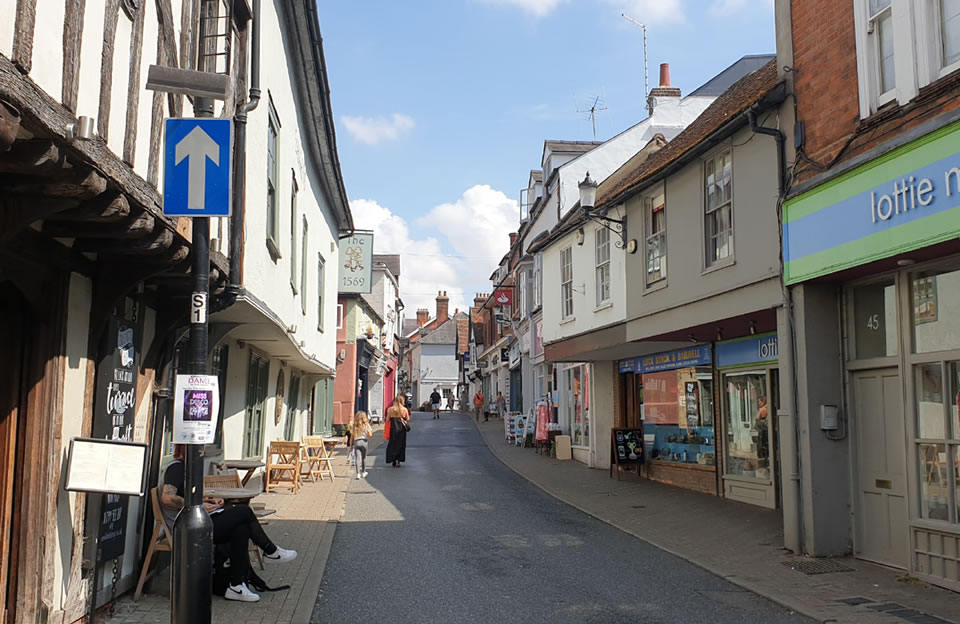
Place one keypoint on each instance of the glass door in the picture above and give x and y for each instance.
(749, 404)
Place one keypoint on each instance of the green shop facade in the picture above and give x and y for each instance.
(871, 261)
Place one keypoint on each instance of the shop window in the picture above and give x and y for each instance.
(935, 310)
(576, 389)
(678, 416)
(656, 239)
(718, 219)
(747, 451)
(938, 440)
(293, 405)
(872, 311)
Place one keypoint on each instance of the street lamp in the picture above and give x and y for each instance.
(588, 198)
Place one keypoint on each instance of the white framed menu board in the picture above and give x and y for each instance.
(107, 466)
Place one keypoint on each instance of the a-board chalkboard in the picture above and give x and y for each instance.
(626, 447)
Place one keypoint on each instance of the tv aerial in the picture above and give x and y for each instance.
(598, 105)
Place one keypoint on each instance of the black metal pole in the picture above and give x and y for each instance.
(192, 561)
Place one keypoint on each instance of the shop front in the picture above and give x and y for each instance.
(676, 401)
(886, 233)
(750, 398)
(574, 407)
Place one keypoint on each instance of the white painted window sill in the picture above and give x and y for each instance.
(567, 320)
(720, 264)
(653, 287)
(603, 306)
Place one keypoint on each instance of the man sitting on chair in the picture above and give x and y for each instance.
(236, 526)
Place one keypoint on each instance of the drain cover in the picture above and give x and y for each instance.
(816, 566)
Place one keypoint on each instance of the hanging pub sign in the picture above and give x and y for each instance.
(196, 408)
(503, 297)
(505, 354)
(114, 407)
(356, 263)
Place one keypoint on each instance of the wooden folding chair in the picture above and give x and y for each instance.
(161, 541)
(324, 461)
(283, 466)
(311, 452)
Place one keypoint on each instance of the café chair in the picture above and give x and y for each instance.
(283, 466)
(161, 541)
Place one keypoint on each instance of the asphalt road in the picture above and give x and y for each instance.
(455, 536)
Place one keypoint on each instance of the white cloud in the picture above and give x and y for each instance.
(537, 8)
(652, 11)
(373, 130)
(476, 230)
(725, 8)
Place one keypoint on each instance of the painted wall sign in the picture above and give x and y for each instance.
(356, 263)
(750, 350)
(700, 355)
(904, 200)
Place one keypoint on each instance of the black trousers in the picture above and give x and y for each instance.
(238, 526)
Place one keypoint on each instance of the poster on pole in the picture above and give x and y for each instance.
(196, 408)
(356, 263)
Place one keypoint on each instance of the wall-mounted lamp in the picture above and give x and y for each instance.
(580, 236)
(83, 129)
(719, 334)
(588, 197)
(753, 328)
(692, 338)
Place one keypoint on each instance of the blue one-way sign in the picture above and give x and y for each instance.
(197, 171)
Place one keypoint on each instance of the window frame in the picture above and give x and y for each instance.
(256, 401)
(601, 258)
(321, 287)
(340, 316)
(273, 182)
(537, 282)
(649, 209)
(566, 283)
(943, 67)
(708, 213)
(294, 191)
(304, 267)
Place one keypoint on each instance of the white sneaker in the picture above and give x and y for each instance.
(357, 477)
(241, 592)
(364, 475)
(281, 555)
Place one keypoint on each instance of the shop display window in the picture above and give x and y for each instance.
(678, 413)
(935, 310)
(938, 430)
(934, 489)
(873, 316)
(748, 414)
(929, 391)
(576, 383)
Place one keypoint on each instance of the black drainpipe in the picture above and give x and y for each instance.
(779, 138)
(240, 164)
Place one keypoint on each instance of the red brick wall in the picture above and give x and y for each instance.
(827, 97)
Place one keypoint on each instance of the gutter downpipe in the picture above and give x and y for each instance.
(789, 419)
(237, 220)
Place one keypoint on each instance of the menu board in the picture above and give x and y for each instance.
(626, 447)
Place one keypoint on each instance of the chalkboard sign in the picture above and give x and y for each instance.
(626, 446)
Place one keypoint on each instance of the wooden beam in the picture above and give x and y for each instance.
(169, 40)
(35, 157)
(110, 15)
(158, 243)
(106, 208)
(23, 29)
(133, 88)
(132, 227)
(188, 16)
(156, 118)
(17, 213)
(72, 39)
(75, 183)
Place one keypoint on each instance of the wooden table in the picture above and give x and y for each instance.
(250, 465)
(231, 496)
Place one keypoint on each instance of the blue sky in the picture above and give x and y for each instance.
(442, 107)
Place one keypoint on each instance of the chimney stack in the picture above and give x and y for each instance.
(513, 239)
(478, 300)
(664, 96)
(422, 316)
(443, 307)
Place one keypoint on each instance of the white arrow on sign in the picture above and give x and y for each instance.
(197, 146)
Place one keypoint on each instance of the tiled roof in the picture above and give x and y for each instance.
(445, 334)
(392, 262)
(733, 102)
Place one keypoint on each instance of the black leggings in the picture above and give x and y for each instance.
(238, 526)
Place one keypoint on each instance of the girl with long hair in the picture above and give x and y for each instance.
(398, 419)
(361, 430)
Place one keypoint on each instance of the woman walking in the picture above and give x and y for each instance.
(361, 430)
(398, 419)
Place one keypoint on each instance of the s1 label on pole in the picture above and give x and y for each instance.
(198, 307)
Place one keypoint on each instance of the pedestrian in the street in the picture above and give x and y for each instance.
(361, 433)
(398, 423)
(435, 402)
(478, 403)
(236, 526)
(501, 406)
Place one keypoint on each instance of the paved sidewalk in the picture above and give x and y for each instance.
(305, 522)
(738, 542)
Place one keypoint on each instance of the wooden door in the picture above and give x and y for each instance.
(881, 468)
(11, 367)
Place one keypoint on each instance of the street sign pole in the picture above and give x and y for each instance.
(192, 570)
